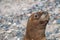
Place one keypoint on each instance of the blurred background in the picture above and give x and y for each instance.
(15, 13)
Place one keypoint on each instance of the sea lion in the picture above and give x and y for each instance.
(36, 26)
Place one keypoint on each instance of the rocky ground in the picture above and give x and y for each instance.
(15, 13)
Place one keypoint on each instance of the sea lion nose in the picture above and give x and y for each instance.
(45, 13)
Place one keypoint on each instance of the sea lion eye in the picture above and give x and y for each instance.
(36, 16)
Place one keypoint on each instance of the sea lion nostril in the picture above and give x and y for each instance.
(45, 12)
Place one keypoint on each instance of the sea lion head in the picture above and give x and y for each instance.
(39, 18)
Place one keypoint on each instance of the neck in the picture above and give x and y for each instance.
(35, 34)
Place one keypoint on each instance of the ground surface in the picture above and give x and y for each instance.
(15, 13)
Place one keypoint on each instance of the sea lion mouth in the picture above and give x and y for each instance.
(43, 22)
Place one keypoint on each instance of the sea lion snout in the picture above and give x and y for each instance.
(44, 18)
(44, 15)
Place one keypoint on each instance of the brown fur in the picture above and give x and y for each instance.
(36, 26)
